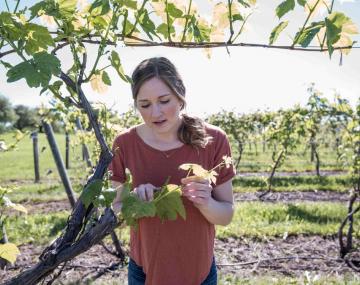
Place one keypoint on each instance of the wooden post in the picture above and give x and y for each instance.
(85, 149)
(59, 162)
(67, 148)
(34, 136)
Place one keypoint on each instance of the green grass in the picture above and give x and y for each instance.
(19, 164)
(261, 220)
(36, 228)
(40, 192)
(251, 219)
(338, 183)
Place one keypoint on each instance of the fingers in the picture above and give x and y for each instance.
(197, 192)
(145, 192)
(194, 178)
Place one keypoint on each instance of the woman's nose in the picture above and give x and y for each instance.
(156, 110)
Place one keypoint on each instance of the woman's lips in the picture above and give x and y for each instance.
(159, 123)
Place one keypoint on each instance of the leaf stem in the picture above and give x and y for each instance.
(186, 21)
(230, 21)
(167, 19)
(102, 46)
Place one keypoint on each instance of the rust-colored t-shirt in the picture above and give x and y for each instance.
(171, 252)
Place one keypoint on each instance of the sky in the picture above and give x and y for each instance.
(241, 79)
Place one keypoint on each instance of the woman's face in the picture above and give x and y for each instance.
(159, 106)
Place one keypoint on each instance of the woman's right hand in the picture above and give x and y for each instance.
(145, 192)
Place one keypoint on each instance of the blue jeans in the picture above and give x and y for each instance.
(136, 275)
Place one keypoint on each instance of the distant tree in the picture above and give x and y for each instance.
(7, 114)
(27, 117)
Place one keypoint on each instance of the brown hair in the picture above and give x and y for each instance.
(192, 130)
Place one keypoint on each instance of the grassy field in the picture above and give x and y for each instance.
(19, 164)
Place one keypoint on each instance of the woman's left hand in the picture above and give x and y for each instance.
(197, 189)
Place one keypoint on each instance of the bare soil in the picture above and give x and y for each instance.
(292, 173)
(239, 257)
(295, 196)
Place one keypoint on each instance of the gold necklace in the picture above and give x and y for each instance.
(171, 153)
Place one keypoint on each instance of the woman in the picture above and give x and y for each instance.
(180, 251)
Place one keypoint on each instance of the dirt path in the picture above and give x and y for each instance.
(291, 173)
(99, 265)
(47, 207)
(295, 196)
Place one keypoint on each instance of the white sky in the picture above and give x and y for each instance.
(246, 80)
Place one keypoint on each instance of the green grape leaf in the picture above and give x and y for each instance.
(201, 31)
(169, 203)
(67, 8)
(301, 2)
(9, 251)
(133, 209)
(285, 7)
(128, 3)
(105, 78)
(307, 35)
(38, 38)
(237, 17)
(174, 11)
(276, 31)
(100, 7)
(36, 71)
(41, 6)
(244, 3)
(91, 192)
(6, 64)
(109, 196)
(12, 26)
(146, 23)
(334, 23)
(116, 63)
(163, 29)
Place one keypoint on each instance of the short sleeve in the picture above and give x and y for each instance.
(222, 148)
(117, 165)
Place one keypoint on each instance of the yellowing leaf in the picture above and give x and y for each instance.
(3, 146)
(227, 160)
(19, 135)
(47, 20)
(83, 5)
(80, 22)
(19, 208)
(217, 35)
(9, 251)
(159, 8)
(211, 176)
(98, 84)
(348, 28)
(220, 16)
(14, 206)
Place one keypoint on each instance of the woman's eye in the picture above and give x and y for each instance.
(165, 101)
(145, 106)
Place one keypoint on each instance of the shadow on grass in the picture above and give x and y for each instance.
(300, 213)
